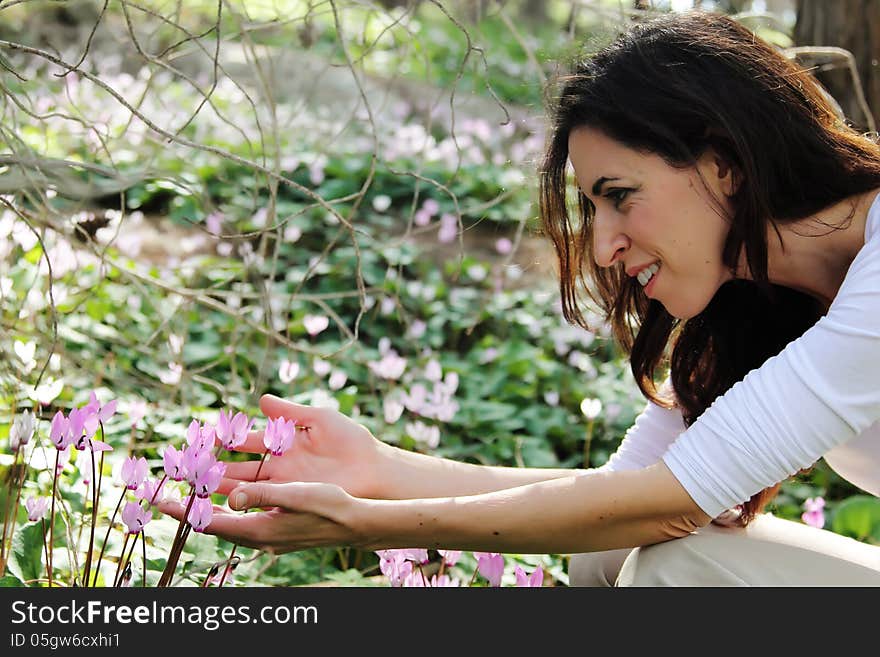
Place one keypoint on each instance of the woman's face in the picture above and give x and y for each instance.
(648, 212)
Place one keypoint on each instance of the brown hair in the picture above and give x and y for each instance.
(675, 86)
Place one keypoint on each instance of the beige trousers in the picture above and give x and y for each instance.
(769, 552)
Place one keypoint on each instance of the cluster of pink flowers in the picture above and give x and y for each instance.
(431, 398)
(195, 464)
(404, 568)
(78, 428)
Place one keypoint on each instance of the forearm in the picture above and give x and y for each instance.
(580, 513)
(404, 475)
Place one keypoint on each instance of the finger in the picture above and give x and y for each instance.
(273, 407)
(247, 529)
(226, 484)
(290, 496)
(176, 510)
(246, 470)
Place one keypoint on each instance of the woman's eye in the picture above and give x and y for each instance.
(617, 195)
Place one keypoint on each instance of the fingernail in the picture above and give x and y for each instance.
(239, 500)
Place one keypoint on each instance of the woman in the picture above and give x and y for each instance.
(728, 221)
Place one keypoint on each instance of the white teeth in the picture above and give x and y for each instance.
(646, 274)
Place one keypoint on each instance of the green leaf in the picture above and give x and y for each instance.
(538, 453)
(26, 560)
(859, 518)
(9, 581)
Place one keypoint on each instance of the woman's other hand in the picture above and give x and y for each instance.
(301, 515)
(328, 447)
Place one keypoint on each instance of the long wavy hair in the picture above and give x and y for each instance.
(675, 86)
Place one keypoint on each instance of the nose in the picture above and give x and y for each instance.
(610, 243)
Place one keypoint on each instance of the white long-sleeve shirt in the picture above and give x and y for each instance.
(819, 397)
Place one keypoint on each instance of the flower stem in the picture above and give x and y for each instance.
(128, 558)
(119, 568)
(211, 574)
(87, 568)
(235, 546)
(144, 545)
(106, 536)
(52, 514)
(177, 544)
(474, 576)
(587, 440)
(45, 544)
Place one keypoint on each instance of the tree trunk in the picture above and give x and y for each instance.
(855, 26)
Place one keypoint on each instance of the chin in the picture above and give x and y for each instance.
(684, 312)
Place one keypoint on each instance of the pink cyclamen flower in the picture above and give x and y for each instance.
(337, 380)
(419, 555)
(92, 445)
(536, 579)
(288, 371)
(36, 507)
(207, 482)
(321, 367)
(87, 469)
(391, 366)
(232, 431)
(82, 425)
(59, 431)
(451, 557)
(491, 566)
(444, 581)
(393, 409)
(217, 577)
(421, 217)
(135, 517)
(416, 329)
(152, 491)
(415, 579)
(315, 323)
(200, 437)
(200, 513)
(814, 514)
(394, 566)
(22, 431)
(278, 436)
(214, 223)
(172, 459)
(504, 246)
(63, 460)
(136, 412)
(197, 463)
(134, 471)
(103, 413)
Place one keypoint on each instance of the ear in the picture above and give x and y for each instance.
(728, 177)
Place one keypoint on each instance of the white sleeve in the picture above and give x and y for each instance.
(647, 439)
(820, 391)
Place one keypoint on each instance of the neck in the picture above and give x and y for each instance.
(813, 254)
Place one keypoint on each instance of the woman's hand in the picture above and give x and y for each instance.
(328, 447)
(302, 515)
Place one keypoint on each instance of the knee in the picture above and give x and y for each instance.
(690, 561)
(596, 568)
(653, 565)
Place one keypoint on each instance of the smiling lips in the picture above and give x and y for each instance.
(647, 273)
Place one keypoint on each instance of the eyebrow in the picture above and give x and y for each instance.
(597, 186)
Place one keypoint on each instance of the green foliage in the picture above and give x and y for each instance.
(859, 517)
